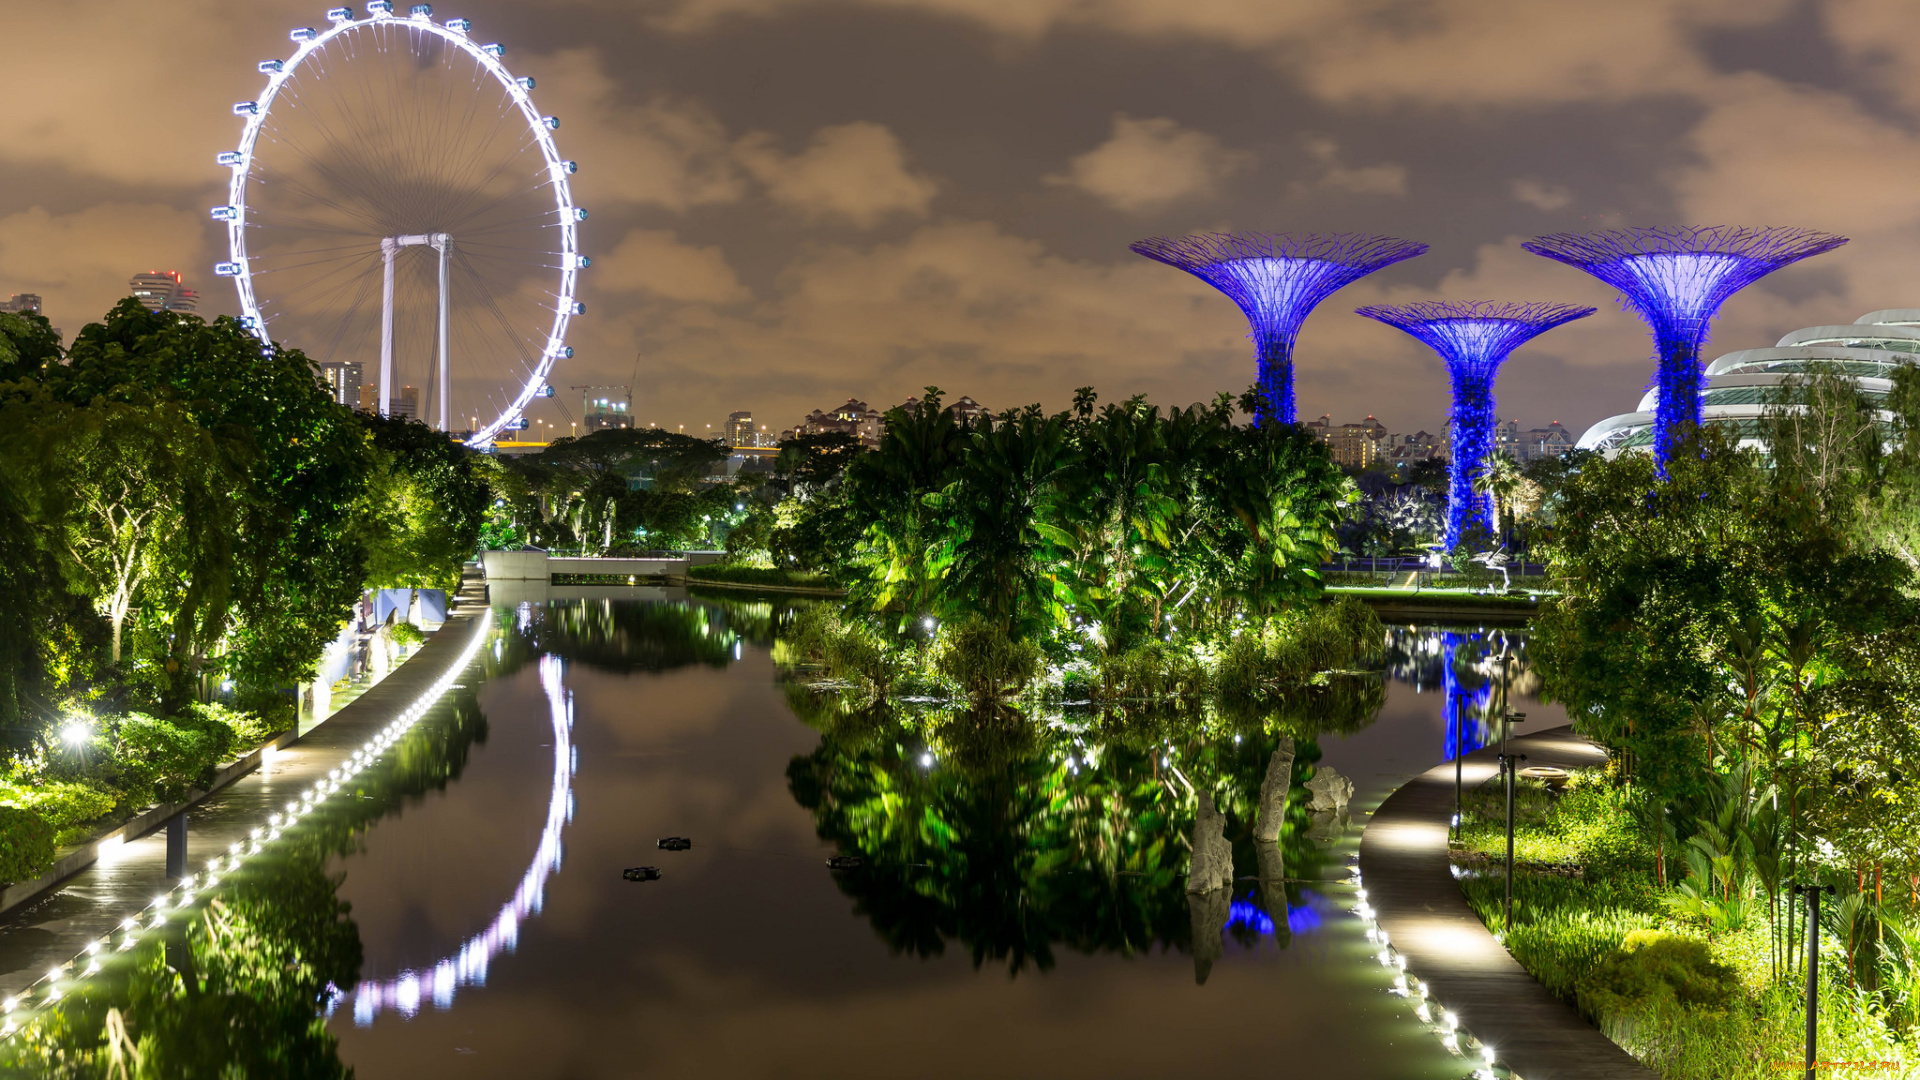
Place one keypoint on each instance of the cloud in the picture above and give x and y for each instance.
(655, 262)
(855, 173)
(665, 151)
(1146, 164)
(1383, 179)
(79, 263)
(1541, 195)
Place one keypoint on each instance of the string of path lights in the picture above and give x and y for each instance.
(1444, 1023)
(186, 897)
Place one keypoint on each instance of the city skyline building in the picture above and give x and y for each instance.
(405, 402)
(1473, 339)
(1277, 280)
(604, 408)
(1676, 279)
(162, 290)
(22, 303)
(343, 379)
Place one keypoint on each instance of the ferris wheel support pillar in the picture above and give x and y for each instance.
(443, 243)
(388, 248)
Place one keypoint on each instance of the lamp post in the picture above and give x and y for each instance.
(1509, 768)
(1812, 893)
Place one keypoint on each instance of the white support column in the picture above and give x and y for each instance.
(387, 250)
(443, 243)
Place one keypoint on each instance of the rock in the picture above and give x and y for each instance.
(641, 873)
(1212, 854)
(1328, 825)
(844, 862)
(1209, 912)
(1330, 790)
(1273, 888)
(1272, 812)
(675, 843)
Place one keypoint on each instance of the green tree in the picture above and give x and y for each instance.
(424, 505)
(141, 495)
(299, 560)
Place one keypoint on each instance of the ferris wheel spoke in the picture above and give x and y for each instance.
(393, 130)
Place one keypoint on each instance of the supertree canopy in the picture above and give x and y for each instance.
(1473, 338)
(1277, 281)
(1677, 278)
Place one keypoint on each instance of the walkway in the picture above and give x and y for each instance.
(1403, 859)
(51, 929)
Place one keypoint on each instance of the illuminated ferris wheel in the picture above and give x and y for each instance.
(397, 203)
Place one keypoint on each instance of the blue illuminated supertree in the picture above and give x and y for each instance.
(1277, 281)
(1676, 279)
(1473, 339)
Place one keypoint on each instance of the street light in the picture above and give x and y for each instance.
(1812, 893)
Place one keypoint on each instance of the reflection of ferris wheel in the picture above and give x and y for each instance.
(397, 203)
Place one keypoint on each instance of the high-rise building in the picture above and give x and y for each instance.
(606, 407)
(162, 290)
(740, 429)
(342, 379)
(405, 402)
(22, 303)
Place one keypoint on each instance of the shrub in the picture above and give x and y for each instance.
(1653, 967)
(985, 660)
(26, 844)
(1152, 669)
(249, 728)
(740, 573)
(171, 755)
(406, 634)
(67, 808)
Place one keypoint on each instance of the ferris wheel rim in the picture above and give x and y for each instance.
(455, 32)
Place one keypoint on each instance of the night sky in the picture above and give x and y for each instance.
(798, 201)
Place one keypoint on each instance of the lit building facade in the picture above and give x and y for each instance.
(405, 402)
(343, 379)
(605, 407)
(162, 290)
(1740, 388)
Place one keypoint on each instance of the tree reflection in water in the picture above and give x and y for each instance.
(1016, 836)
(242, 987)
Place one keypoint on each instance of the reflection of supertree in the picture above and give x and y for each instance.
(1465, 707)
(1676, 280)
(1473, 339)
(1277, 281)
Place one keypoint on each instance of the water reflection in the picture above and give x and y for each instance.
(1478, 673)
(1030, 843)
(1015, 836)
(468, 967)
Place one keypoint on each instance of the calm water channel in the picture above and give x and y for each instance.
(1019, 908)
(1013, 917)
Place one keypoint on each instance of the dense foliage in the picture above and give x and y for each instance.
(1112, 551)
(1743, 634)
(186, 516)
(614, 491)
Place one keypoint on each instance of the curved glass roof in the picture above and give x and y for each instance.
(1742, 386)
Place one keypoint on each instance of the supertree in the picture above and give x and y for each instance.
(1676, 279)
(1277, 280)
(1473, 338)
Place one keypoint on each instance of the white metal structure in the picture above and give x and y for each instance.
(1742, 387)
(385, 132)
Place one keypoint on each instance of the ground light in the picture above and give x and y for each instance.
(20, 1009)
(1443, 1023)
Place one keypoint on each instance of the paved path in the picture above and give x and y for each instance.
(51, 929)
(1403, 860)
